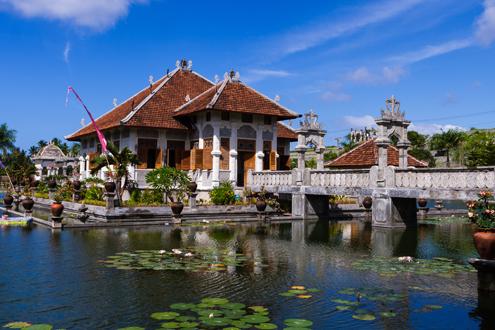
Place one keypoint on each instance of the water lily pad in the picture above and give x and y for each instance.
(188, 324)
(171, 325)
(304, 296)
(388, 314)
(297, 287)
(287, 294)
(185, 318)
(17, 325)
(266, 326)
(39, 327)
(182, 306)
(131, 328)
(164, 315)
(255, 319)
(298, 323)
(215, 301)
(364, 317)
(240, 325)
(258, 309)
(217, 322)
(343, 308)
(345, 302)
(234, 306)
(297, 291)
(313, 290)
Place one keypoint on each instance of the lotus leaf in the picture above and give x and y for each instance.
(188, 324)
(345, 302)
(217, 322)
(183, 307)
(215, 301)
(343, 308)
(131, 328)
(304, 296)
(298, 323)
(164, 315)
(39, 327)
(241, 325)
(17, 325)
(171, 325)
(364, 317)
(255, 319)
(313, 290)
(266, 326)
(388, 314)
(258, 309)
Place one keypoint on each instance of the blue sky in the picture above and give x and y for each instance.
(340, 58)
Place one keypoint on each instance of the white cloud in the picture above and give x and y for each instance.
(260, 74)
(387, 75)
(336, 95)
(313, 36)
(93, 14)
(67, 50)
(359, 121)
(432, 51)
(485, 24)
(434, 128)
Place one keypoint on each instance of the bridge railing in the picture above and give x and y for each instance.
(446, 178)
(339, 178)
(271, 178)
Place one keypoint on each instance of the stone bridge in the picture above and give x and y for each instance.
(394, 191)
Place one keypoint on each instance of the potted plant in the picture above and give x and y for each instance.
(110, 186)
(8, 200)
(52, 184)
(192, 187)
(367, 202)
(57, 207)
(171, 182)
(261, 199)
(27, 203)
(422, 202)
(482, 213)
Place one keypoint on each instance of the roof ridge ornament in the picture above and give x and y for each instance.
(184, 64)
(392, 110)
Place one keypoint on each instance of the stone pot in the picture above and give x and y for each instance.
(367, 202)
(57, 208)
(52, 184)
(110, 186)
(261, 205)
(76, 184)
(177, 208)
(27, 203)
(192, 186)
(8, 200)
(484, 240)
(422, 202)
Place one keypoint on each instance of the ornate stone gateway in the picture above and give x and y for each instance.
(310, 134)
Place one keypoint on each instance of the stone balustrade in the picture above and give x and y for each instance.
(446, 178)
(339, 178)
(271, 178)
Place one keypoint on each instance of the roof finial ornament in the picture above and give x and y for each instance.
(392, 111)
(187, 98)
(217, 79)
(226, 76)
(234, 76)
(83, 122)
(150, 80)
(277, 98)
(114, 102)
(189, 65)
(183, 64)
(177, 64)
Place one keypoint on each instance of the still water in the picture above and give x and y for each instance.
(59, 277)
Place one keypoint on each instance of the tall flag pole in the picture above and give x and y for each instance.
(101, 137)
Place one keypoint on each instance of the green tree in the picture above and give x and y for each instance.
(447, 141)
(19, 165)
(121, 160)
(479, 148)
(169, 181)
(7, 139)
(419, 147)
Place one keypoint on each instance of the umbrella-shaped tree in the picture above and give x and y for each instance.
(447, 141)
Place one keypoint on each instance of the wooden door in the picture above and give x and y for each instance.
(224, 157)
(249, 164)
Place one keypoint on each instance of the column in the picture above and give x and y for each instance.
(216, 153)
(88, 171)
(82, 168)
(233, 156)
(258, 166)
(275, 143)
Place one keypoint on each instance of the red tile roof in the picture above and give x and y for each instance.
(152, 107)
(286, 132)
(235, 96)
(366, 155)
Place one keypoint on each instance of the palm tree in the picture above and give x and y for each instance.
(121, 160)
(447, 141)
(7, 139)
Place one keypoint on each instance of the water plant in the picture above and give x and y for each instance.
(192, 259)
(391, 267)
(299, 291)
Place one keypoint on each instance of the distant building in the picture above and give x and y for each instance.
(365, 155)
(51, 161)
(217, 131)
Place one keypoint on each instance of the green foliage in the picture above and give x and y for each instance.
(7, 139)
(424, 155)
(447, 141)
(310, 163)
(223, 194)
(94, 192)
(65, 191)
(479, 149)
(169, 181)
(328, 156)
(418, 140)
(482, 211)
(151, 197)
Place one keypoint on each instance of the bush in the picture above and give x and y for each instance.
(223, 194)
(151, 197)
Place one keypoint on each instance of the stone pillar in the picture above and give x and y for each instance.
(258, 166)
(88, 171)
(233, 156)
(110, 200)
(383, 145)
(82, 168)
(319, 159)
(299, 206)
(216, 153)
(403, 147)
(393, 212)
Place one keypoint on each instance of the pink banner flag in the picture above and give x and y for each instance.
(102, 139)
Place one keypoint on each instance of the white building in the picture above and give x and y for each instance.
(217, 131)
(51, 161)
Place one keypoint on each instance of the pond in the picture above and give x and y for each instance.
(337, 275)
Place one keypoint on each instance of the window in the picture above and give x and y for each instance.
(268, 120)
(98, 148)
(208, 116)
(84, 144)
(193, 119)
(247, 118)
(225, 115)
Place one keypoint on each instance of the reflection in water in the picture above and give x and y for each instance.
(57, 277)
